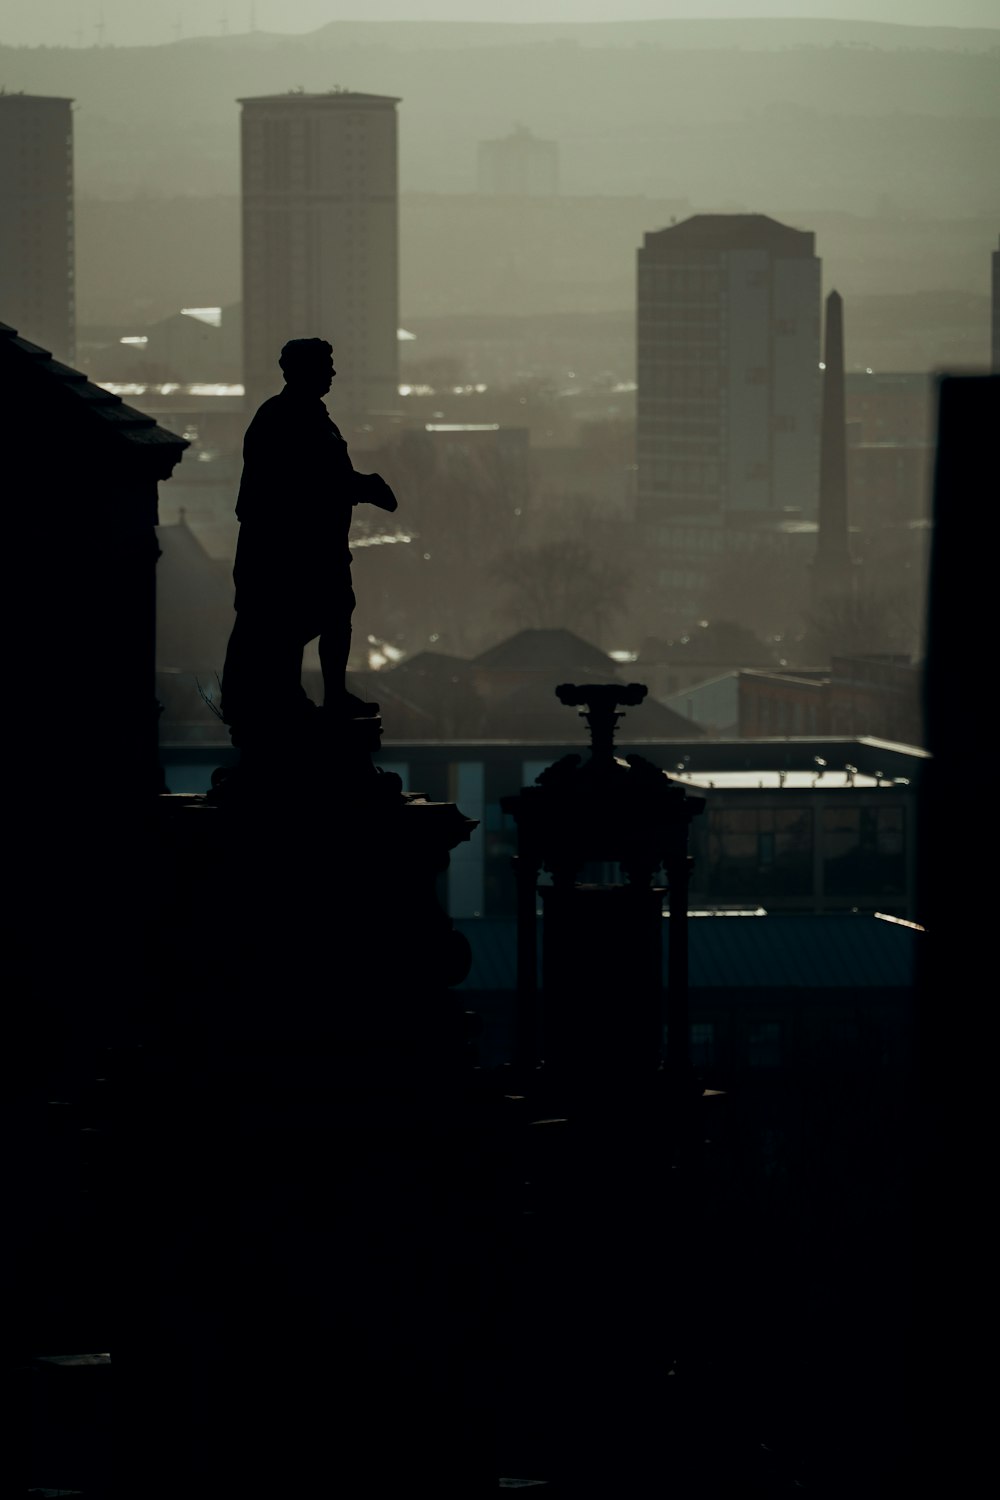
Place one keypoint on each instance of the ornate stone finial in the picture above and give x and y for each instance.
(600, 703)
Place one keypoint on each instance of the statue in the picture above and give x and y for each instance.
(293, 563)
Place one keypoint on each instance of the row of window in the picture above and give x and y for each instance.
(674, 475)
(679, 320)
(692, 538)
(669, 368)
(772, 852)
(765, 1044)
(842, 849)
(688, 282)
(678, 399)
(783, 716)
(680, 581)
(681, 382)
(684, 476)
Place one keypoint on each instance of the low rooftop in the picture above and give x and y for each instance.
(723, 232)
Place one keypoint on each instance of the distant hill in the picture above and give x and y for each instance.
(831, 113)
(756, 35)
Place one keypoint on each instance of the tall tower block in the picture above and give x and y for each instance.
(320, 241)
(727, 340)
(36, 221)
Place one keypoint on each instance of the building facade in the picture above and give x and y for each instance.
(36, 224)
(728, 354)
(320, 241)
(803, 825)
(519, 165)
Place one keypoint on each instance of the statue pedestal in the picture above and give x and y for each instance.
(602, 985)
(307, 1238)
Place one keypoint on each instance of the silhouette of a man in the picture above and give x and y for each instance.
(293, 564)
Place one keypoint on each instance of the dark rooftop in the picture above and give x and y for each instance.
(23, 360)
(742, 952)
(549, 651)
(23, 98)
(335, 99)
(731, 232)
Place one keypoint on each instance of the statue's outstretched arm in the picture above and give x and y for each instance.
(373, 490)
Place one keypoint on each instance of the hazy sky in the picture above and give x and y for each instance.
(131, 22)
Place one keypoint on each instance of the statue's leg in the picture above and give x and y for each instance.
(335, 648)
(234, 671)
(262, 676)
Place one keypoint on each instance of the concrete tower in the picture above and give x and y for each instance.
(520, 165)
(727, 335)
(320, 241)
(36, 221)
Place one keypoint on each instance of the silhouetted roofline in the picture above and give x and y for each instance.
(22, 97)
(520, 652)
(731, 232)
(439, 660)
(342, 98)
(125, 421)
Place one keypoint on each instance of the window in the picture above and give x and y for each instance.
(758, 854)
(702, 1044)
(864, 850)
(771, 1146)
(764, 1044)
(843, 1032)
(465, 870)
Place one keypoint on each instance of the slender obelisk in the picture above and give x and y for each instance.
(832, 566)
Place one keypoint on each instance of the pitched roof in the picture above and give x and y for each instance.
(530, 710)
(436, 664)
(19, 99)
(732, 232)
(547, 651)
(80, 398)
(334, 99)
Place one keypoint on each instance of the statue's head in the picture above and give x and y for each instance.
(307, 365)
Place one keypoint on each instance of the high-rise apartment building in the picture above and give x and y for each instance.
(36, 220)
(519, 165)
(320, 241)
(728, 353)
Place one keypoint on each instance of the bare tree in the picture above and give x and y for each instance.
(864, 622)
(561, 585)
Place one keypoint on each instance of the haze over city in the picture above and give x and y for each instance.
(499, 504)
(533, 161)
